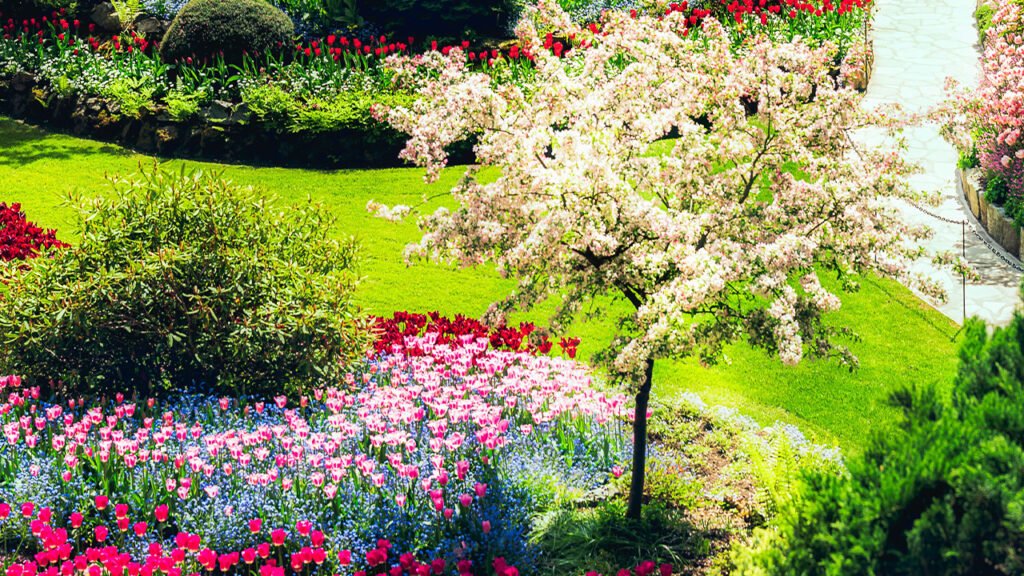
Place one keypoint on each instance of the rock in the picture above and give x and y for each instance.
(241, 114)
(105, 17)
(23, 82)
(219, 111)
(150, 27)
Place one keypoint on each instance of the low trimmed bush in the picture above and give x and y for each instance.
(183, 281)
(205, 28)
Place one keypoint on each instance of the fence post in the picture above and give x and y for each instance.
(963, 273)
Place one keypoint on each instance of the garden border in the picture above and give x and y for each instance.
(224, 134)
(999, 227)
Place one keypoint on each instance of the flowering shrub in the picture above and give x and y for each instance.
(430, 450)
(21, 239)
(989, 122)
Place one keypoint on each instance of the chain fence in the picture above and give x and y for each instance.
(980, 234)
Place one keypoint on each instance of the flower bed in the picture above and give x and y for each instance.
(437, 455)
(312, 104)
(986, 125)
(432, 451)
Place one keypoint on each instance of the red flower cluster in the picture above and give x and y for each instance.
(524, 338)
(71, 33)
(337, 46)
(762, 10)
(21, 239)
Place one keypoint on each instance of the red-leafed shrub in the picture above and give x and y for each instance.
(461, 329)
(21, 239)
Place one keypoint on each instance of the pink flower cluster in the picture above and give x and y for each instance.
(994, 113)
(59, 556)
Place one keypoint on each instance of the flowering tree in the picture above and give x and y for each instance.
(705, 187)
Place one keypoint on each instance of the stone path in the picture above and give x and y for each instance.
(917, 45)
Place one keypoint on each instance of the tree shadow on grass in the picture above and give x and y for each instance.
(601, 539)
(21, 144)
(917, 311)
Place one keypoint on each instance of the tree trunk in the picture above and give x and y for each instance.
(636, 486)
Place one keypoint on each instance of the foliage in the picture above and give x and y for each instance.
(943, 494)
(323, 15)
(131, 96)
(126, 11)
(983, 20)
(439, 18)
(706, 484)
(21, 239)
(995, 190)
(230, 28)
(182, 106)
(185, 281)
(716, 241)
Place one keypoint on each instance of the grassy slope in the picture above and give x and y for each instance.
(903, 341)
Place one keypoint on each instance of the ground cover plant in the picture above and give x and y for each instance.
(986, 124)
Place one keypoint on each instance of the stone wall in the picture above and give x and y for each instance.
(999, 226)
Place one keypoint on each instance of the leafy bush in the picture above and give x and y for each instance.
(983, 20)
(186, 281)
(995, 189)
(943, 494)
(441, 18)
(232, 27)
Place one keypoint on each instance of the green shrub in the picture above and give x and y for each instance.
(983, 20)
(995, 189)
(206, 28)
(942, 494)
(185, 281)
(441, 18)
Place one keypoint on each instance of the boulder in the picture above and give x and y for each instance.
(219, 111)
(23, 82)
(105, 17)
(150, 27)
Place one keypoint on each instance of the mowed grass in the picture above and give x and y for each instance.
(902, 340)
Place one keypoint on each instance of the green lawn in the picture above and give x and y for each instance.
(902, 340)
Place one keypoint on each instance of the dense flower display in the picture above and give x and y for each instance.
(430, 450)
(21, 239)
(990, 119)
(525, 337)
